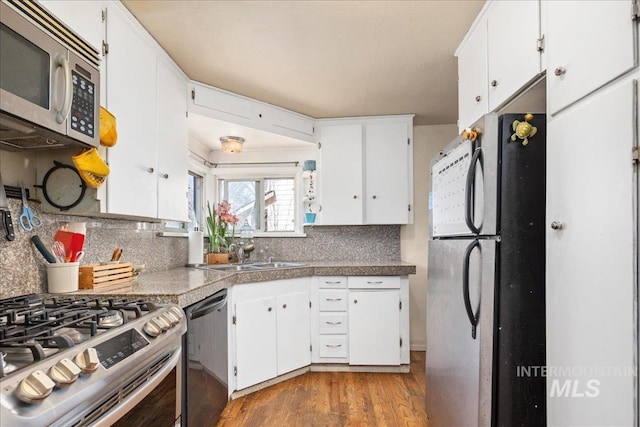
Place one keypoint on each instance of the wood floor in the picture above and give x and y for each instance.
(336, 399)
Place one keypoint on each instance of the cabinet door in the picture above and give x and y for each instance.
(590, 258)
(255, 341)
(472, 77)
(588, 44)
(340, 175)
(294, 332)
(132, 185)
(172, 145)
(83, 17)
(374, 327)
(387, 173)
(513, 57)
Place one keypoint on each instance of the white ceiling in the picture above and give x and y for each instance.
(319, 58)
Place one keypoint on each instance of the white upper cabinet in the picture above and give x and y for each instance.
(365, 170)
(498, 57)
(588, 44)
(172, 167)
(513, 30)
(147, 96)
(387, 172)
(340, 177)
(84, 18)
(472, 77)
(132, 185)
(229, 107)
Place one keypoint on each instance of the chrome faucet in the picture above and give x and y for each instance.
(240, 251)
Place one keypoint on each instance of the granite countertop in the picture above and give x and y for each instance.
(185, 286)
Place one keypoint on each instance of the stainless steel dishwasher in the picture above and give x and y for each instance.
(206, 356)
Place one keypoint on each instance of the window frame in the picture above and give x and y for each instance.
(260, 174)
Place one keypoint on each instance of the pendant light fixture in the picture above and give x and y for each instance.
(231, 144)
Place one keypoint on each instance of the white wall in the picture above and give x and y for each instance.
(427, 142)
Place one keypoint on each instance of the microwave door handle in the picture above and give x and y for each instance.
(62, 115)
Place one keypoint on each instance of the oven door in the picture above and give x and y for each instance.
(35, 76)
(154, 402)
(206, 359)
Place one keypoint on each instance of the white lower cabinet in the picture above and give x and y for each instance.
(256, 357)
(293, 331)
(374, 327)
(361, 320)
(284, 325)
(271, 330)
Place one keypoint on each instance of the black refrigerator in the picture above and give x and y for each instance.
(485, 352)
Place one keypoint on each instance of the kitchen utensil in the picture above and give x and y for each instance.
(6, 214)
(63, 187)
(59, 251)
(35, 239)
(27, 219)
(77, 257)
(73, 242)
(117, 254)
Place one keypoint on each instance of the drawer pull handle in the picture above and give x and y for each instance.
(333, 323)
(334, 345)
(334, 299)
(374, 283)
(333, 283)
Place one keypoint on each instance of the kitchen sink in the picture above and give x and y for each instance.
(267, 265)
(255, 266)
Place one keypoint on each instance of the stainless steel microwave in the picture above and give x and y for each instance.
(49, 81)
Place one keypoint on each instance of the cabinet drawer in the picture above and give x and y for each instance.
(332, 300)
(374, 282)
(331, 323)
(333, 346)
(332, 282)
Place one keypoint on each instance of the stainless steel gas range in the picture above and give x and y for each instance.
(68, 361)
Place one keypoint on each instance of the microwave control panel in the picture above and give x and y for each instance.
(83, 105)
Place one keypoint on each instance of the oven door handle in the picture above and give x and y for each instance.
(209, 305)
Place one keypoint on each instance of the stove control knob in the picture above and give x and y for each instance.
(88, 361)
(153, 327)
(170, 318)
(164, 323)
(177, 312)
(64, 373)
(35, 387)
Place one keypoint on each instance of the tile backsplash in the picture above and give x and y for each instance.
(23, 269)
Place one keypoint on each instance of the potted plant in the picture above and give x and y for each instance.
(218, 222)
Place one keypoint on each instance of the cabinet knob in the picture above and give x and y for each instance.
(559, 71)
(556, 225)
(269, 309)
(494, 83)
(165, 175)
(355, 301)
(375, 197)
(151, 170)
(284, 305)
(355, 197)
(478, 98)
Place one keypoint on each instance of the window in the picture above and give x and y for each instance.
(195, 196)
(267, 204)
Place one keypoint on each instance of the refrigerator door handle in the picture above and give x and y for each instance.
(473, 318)
(469, 191)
